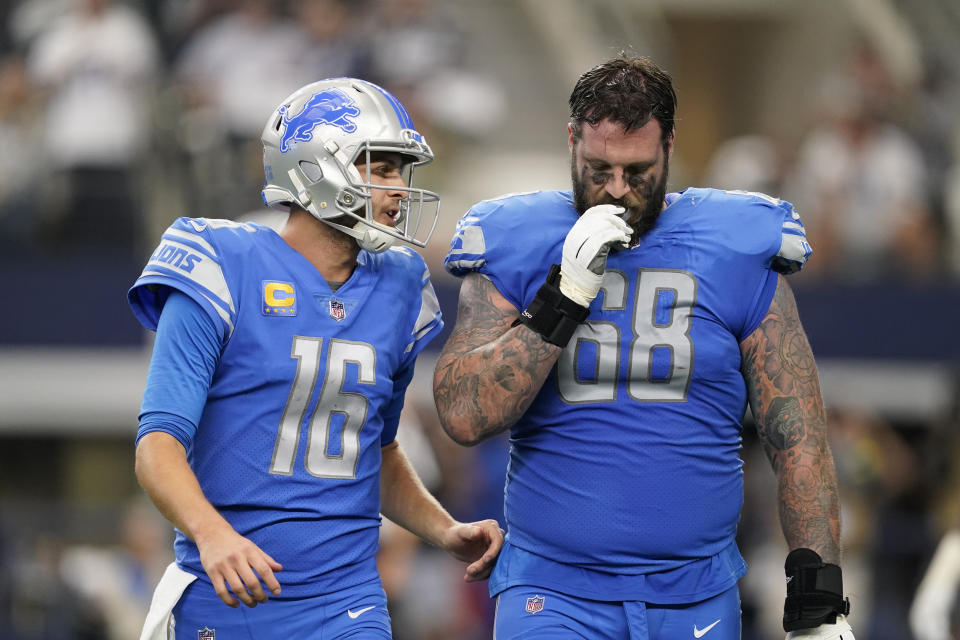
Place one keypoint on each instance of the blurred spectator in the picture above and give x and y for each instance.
(6, 576)
(238, 65)
(951, 206)
(94, 65)
(43, 605)
(880, 479)
(29, 18)
(333, 45)
(231, 73)
(860, 184)
(938, 131)
(426, 67)
(935, 123)
(20, 173)
(424, 39)
(933, 609)
(119, 581)
(749, 163)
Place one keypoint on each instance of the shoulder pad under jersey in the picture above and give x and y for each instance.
(191, 257)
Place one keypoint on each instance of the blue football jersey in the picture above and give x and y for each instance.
(626, 466)
(288, 444)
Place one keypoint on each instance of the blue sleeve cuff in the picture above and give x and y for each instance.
(177, 426)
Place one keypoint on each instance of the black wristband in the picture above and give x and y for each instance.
(814, 591)
(551, 314)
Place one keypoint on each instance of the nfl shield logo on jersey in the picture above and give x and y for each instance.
(337, 310)
(206, 634)
(535, 604)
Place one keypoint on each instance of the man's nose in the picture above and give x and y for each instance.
(398, 191)
(617, 185)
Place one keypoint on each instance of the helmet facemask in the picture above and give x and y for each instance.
(416, 218)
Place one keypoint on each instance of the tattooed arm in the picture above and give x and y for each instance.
(784, 391)
(489, 371)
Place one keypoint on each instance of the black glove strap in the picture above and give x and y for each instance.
(551, 314)
(814, 591)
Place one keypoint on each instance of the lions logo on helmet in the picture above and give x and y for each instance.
(332, 107)
(312, 144)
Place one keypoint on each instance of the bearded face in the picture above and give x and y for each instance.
(609, 165)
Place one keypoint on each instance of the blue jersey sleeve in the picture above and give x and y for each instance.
(190, 258)
(185, 355)
(794, 250)
(512, 240)
(427, 319)
(391, 412)
(758, 310)
(771, 230)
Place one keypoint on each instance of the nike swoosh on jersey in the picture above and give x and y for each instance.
(359, 612)
(699, 633)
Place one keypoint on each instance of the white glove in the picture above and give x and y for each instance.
(839, 631)
(933, 601)
(585, 251)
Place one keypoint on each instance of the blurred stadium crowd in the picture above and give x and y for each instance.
(118, 116)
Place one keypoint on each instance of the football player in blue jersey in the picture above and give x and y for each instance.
(619, 331)
(268, 424)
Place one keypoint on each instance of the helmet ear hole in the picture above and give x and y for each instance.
(311, 171)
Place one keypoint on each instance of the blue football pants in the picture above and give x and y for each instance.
(356, 613)
(535, 613)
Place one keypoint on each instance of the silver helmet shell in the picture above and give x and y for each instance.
(312, 142)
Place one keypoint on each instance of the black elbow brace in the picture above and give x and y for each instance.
(814, 591)
(551, 314)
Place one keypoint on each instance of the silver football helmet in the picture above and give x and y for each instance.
(311, 143)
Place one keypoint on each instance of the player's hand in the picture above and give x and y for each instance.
(839, 631)
(585, 251)
(237, 565)
(478, 543)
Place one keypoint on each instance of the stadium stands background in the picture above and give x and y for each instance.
(770, 93)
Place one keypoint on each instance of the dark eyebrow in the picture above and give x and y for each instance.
(633, 167)
(640, 166)
(596, 163)
(391, 158)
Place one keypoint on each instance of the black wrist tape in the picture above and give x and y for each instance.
(814, 591)
(551, 314)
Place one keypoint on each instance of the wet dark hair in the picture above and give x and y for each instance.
(628, 90)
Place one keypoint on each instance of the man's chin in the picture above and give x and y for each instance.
(634, 217)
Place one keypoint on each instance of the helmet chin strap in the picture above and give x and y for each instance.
(366, 234)
(372, 239)
(368, 237)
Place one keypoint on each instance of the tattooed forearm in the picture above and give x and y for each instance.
(784, 393)
(488, 372)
